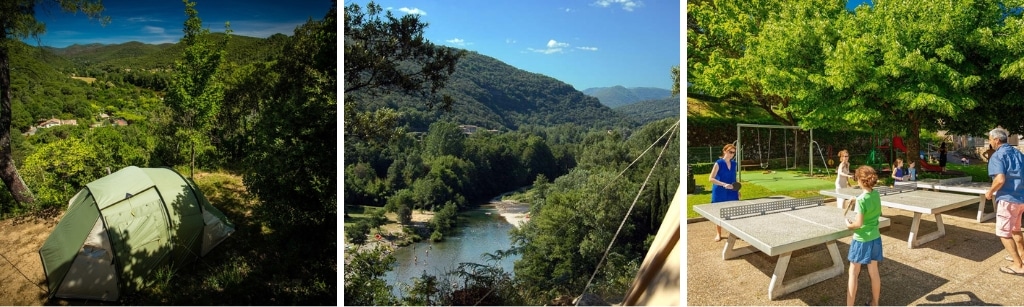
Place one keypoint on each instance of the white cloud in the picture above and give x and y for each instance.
(143, 19)
(510, 41)
(553, 46)
(568, 10)
(628, 5)
(546, 51)
(153, 30)
(587, 48)
(458, 42)
(413, 11)
(556, 44)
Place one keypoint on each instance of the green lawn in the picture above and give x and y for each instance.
(753, 189)
(749, 191)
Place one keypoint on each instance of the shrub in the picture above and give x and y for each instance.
(357, 233)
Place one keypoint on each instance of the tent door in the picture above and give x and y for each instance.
(92, 275)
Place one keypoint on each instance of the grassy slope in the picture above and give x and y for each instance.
(242, 270)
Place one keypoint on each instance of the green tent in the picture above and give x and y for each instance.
(120, 228)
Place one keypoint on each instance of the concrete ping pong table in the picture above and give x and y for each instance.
(962, 185)
(907, 197)
(779, 225)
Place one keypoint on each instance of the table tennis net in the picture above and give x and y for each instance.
(897, 188)
(953, 181)
(736, 212)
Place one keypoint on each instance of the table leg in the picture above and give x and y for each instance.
(729, 252)
(779, 286)
(981, 211)
(916, 240)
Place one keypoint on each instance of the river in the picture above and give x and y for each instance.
(480, 230)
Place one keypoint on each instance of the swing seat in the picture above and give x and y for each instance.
(749, 163)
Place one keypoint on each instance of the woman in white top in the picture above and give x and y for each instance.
(843, 175)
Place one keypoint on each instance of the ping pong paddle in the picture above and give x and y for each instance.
(847, 204)
(736, 186)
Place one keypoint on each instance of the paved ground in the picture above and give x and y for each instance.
(960, 268)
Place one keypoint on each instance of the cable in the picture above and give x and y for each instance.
(631, 206)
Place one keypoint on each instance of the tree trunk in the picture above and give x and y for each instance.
(913, 142)
(192, 163)
(8, 171)
(797, 150)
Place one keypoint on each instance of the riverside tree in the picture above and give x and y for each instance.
(17, 20)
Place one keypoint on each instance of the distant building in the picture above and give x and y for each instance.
(49, 123)
(31, 131)
(120, 122)
(468, 129)
(57, 122)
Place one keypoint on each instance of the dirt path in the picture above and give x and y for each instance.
(22, 281)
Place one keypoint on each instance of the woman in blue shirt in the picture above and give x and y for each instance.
(723, 175)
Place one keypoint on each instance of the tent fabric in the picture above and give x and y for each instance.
(94, 262)
(120, 228)
(657, 282)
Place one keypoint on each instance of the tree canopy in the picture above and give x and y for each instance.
(17, 20)
(384, 54)
(893, 67)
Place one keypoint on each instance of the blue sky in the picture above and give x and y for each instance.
(161, 21)
(852, 4)
(585, 43)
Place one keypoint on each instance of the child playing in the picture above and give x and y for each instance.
(897, 171)
(912, 169)
(866, 246)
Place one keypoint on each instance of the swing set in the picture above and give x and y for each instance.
(764, 159)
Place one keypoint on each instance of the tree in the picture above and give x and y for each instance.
(385, 54)
(59, 169)
(444, 138)
(905, 80)
(364, 278)
(17, 20)
(357, 233)
(196, 91)
(725, 64)
(999, 50)
(675, 80)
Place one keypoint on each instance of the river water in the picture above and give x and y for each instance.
(481, 230)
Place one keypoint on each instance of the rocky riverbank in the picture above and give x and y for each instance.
(513, 212)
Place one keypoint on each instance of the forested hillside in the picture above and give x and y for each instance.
(140, 56)
(81, 112)
(582, 165)
(617, 96)
(494, 95)
(651, 110)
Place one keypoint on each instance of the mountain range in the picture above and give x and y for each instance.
(618, 95)
(486, 92)
(492, 94)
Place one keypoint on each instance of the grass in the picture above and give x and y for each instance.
(978, 172)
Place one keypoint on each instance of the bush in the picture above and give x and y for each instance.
(701, 168)
(357, 233)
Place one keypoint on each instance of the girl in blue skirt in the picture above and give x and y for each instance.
(866, 247)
